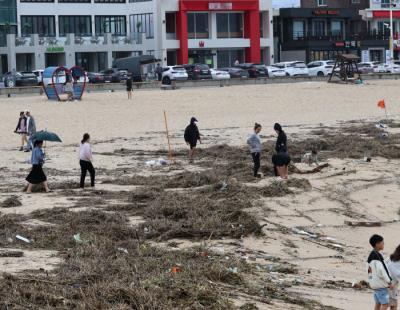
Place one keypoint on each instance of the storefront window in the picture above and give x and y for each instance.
(230, 25)
(198, 26)
(142, 23)
(227, 58)
(336, 27)
(319, 28)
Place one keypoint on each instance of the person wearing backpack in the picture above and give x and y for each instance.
(379, 278)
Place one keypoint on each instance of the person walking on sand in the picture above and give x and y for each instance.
(37, 176)
(86, 160)
(393, 265)
(379, 278)
(31, 128)
(281, 159)
(192, 135)
(158, 71)
(254, 142)
(22, 130)
(129, 84)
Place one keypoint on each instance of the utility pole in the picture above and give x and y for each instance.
(391, 5)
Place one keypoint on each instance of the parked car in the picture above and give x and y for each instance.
(173, 73)
(365, 67)
(220, 75)
(380, 67)
(198, 71)
(236, 73)
(95, 77)
(21, 78)
(320, 67)
(294, 68)
(252, 69)
(39, 76)
(275, 71)
(114, 75)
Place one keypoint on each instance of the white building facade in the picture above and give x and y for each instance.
(92, 33)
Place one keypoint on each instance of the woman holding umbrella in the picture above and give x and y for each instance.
(37, 176)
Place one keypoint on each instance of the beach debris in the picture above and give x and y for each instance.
(11, 202)
(224, 186)
(233, 269)
(19, 237)
(11, 253)
(77, 238)
(363, 224)
(123, 250)
(381, 126)
(303, 232)
(176, 269)
(360, 285)
(314, 170)
(159, 162)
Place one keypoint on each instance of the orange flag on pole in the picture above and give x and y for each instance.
(381, 104)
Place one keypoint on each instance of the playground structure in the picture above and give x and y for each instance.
(346, 69)
(55, 80)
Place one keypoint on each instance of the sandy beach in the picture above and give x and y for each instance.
(303, 226)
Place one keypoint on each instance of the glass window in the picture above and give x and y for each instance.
(74, 1)
(227, 58)
(115, 25)
(230, 25)
(319, 28)
(170, 25)
(198, 25)
(42, 25)
(142, 23)
(79, 25)
(109, 1)
(336, 27)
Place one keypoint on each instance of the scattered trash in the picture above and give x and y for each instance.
(176, 269)
(363, 224)
(6, 253)
(381, 126)
(158, 162)
(123, 250)
(233, 269)
(360, 285)
(224, 186)
(77, 238)
(338, 246)
(303, 232)
(22, 239)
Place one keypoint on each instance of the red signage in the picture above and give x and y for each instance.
(339, 44)
(326, 12)
(385, 14)
(218, 6)
(201, 44)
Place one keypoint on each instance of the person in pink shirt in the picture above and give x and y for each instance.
(85, 160)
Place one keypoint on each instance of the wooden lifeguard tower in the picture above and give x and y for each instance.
(345, 69)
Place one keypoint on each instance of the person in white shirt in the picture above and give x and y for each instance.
(85, 160)
(394, 269)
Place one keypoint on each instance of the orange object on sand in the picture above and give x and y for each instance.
(176, 269)
(381, 104)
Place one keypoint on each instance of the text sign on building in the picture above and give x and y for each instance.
(325, 12)
(218, 6)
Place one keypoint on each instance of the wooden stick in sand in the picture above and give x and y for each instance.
(169, 144)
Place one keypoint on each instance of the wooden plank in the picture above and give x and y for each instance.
(363, 224)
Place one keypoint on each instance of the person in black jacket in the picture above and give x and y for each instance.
(22, 130)
(192, 135)
(281, 159)
(129, 84)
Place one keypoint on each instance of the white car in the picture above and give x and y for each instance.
(380, 67)
(173, 73)
(220, 75)
(39, 76)
(293, 68)
(320, 68)
(275, 71)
